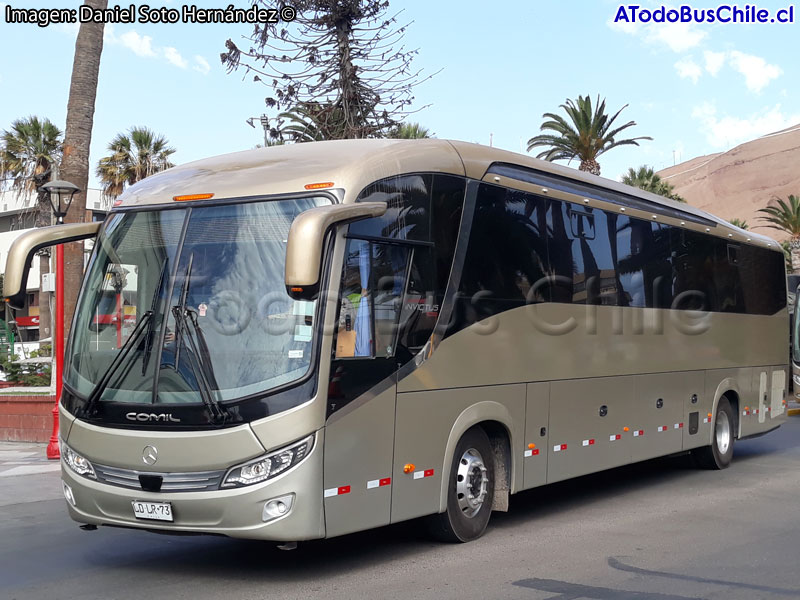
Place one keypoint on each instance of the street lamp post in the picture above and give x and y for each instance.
(264, 120)
(61, 194)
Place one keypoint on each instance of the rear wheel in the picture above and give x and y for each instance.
(720, 453)
(470, 491)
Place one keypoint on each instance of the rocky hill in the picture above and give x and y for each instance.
(736, 183)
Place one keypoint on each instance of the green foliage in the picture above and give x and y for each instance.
(645, 178)
(785, 216)
(34, 375)
(586, 135)
(134, 156)
(741, 224)
(410, 131)
(28, 151)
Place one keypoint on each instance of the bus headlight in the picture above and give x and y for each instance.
(269, 466)
(76, 462)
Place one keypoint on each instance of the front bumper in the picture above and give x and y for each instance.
(231, 512)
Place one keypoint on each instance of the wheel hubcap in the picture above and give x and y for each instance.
(722, 428)
(471, 482)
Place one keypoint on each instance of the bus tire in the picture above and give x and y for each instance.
(720, 453)
(470, 491)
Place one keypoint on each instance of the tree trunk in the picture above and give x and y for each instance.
(77, 139)
(590, 166)
(794, 255)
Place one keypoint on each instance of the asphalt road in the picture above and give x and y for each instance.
(661, 530)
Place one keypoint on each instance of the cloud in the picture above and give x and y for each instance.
(726, 130)
(174, 57)
(140, 45)
(201, 65)
(688, 69)
(714, 61)
(757, 72)
(678, 37)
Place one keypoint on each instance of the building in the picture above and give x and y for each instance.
(17, 215)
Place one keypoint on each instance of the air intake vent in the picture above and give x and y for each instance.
(97, 205)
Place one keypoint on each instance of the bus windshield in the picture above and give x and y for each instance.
(211, 280)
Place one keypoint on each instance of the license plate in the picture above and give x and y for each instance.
(155, 511)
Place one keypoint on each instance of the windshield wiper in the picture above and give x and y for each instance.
(148, 343)
(201, 360)
(119, 359)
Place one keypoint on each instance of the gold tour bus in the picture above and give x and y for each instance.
(335, 336)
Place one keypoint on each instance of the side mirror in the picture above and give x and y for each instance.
(306, 239)
(24, 248)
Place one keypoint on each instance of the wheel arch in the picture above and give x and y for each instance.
(495, 420)
(728, 388)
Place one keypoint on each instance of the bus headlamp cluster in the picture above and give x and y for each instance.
(269, 466)
(76, 462)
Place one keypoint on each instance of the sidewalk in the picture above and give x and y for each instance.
(24, 458)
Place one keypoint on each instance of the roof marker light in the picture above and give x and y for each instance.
(190, 197)
(683, 222)
(545, 190)
(319, 186)
(655, 216)
(622, 209)
(497, 179)
(586, 201)
(708, 229)
(730, 235)
(749, 240)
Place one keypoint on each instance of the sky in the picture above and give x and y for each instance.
(694, 88)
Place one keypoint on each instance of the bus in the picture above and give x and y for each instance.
(336, 336)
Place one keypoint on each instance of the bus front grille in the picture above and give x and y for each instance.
(198, 481)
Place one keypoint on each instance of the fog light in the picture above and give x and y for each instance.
(277, 507)
(68, 493)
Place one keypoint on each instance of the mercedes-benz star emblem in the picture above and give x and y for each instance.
(150, 455)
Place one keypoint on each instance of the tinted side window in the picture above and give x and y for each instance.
(693, 271)
(582, 249)
(507, 254)
(408, 209)
(763, 278)
(643, 262)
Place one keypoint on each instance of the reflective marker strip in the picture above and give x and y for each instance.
(378, 482)
(678, 425)
(745, 413)
(588, 442)
(423, 474)
(337, 491)
(559, 447)
(707, 420)
(614, 438)
(662, 428)
(534, 452)
(638, 433)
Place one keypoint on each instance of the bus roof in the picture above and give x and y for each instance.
(351, 165)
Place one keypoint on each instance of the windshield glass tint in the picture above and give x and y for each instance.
(219, 270)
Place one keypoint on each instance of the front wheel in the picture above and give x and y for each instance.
(470, 491)
(720, 453)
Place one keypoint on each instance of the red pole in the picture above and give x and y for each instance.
(53, 451)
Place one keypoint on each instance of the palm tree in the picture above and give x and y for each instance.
(311, 122)
(786, 217)
(77, 139)
(645, 178)
(28, 152)
(134, 156)
(741, 224)
(410, 131)
(29, 156)
(587, 136)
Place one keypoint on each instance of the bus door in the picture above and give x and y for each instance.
(359, 434)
